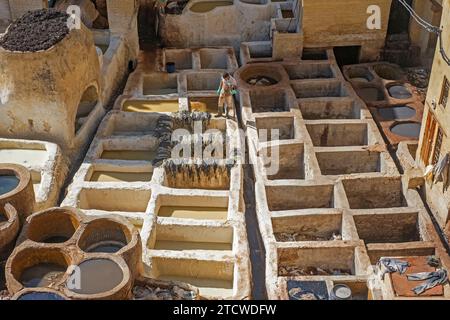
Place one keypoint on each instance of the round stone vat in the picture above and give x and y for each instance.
(101, 277)
(52, 226)
(36, 267)
(388, 71)
(112, 236)
(9, 228)
(407, 129)
(254, 75)
(397, 113)
(16, 188)
(399, 91)
(39, 294)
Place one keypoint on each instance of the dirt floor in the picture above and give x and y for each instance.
(37, 30)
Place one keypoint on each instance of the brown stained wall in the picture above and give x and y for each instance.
(343, 23)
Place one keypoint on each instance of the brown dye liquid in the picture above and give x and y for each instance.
(110, 176)
(129, 155)
(200, 213)
(287, 13)
(190, 245)
(207, 286)
(204, 104)
(151, 106)
(206, 6)
(98, 276)
(42, 275)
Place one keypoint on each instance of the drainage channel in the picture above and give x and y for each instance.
(257, 252)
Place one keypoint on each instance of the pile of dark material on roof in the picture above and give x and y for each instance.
(36, 30)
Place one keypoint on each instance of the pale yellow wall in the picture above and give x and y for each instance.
(344, 22)
(439, 201)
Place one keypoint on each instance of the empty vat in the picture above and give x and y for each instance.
(372, 193)
(160, 84)
(203, 81)
(284, 162)
(212, 278)
(118, 200)
(317, 89)
(187, 238)
(281, 198)
(269, 101)
(407, 129)
(280, 127)
(323, 226)
(151, 106)
(309, 71)
(259, 50)
(348, 162)
(213, 58)
(317, 261)
(388, 227)
(325, 108)
(182, 58)
(338, 135)
(397, 113)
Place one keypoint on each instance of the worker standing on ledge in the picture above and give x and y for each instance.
(227, 89)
